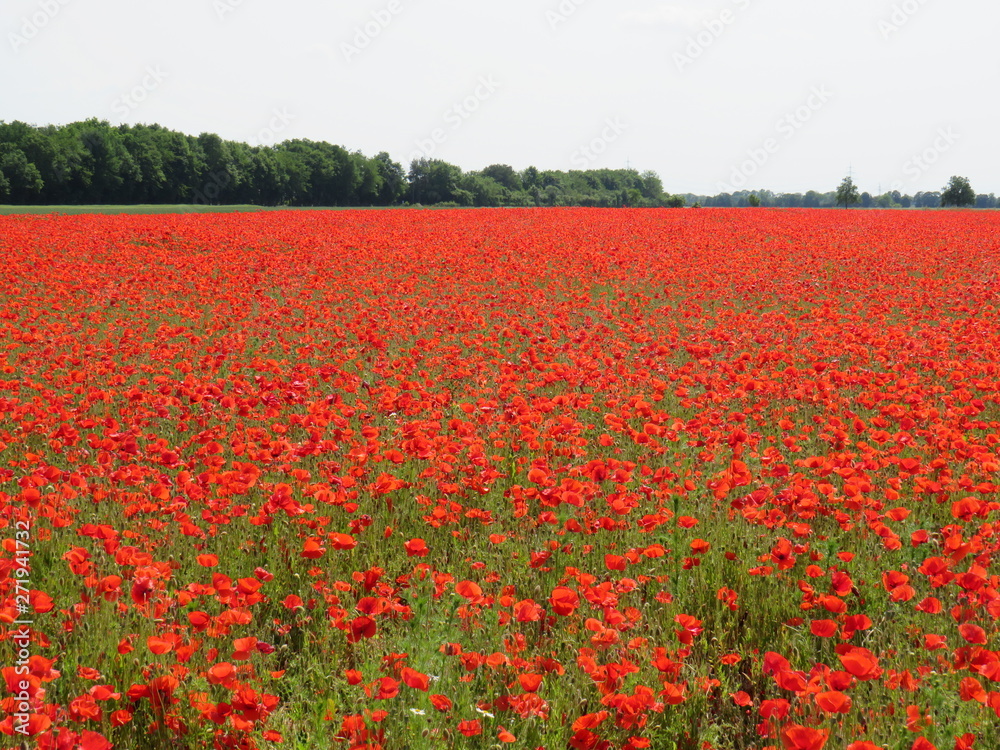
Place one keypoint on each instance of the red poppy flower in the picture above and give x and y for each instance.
(416, 548)
(796, 737)
(564, 601)
(833, 702)
(441, 702)
(414, 679)
(361, 627)
(860, 662)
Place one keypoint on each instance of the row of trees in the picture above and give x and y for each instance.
(958, 192)
(93, 162)
(814, 199)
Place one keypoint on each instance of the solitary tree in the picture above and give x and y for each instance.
(847, 193)
(753, 200)
(958, 193)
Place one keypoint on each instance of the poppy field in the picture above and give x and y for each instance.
(568, 478)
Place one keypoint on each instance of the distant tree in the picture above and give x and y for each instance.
(676, 201)
(292, 178)
(631, 197)
(435, 181)
(369, 180)
(141, 146)
(652, 187)
(958, 193)
(866, 200)
(530, 178)
(847, 193)
(393, 179)
(220, 171)
(811, 199)
(986, 201)
(886, 201)
(504, 175)
(485, 191)
(23, 180)
(270, 176)
(753, 200)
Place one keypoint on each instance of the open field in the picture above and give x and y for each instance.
(557, 478)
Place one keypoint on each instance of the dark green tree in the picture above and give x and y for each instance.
(530, 178)
(393, 186)
(22, 178)
(847, 193)
(503, 175)
(958, 192)
(434, 181)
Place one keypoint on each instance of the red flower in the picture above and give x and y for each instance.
(468, 589)
(833, 702)
(796, 737)
(973, 634)
(416, 548)
(860, 662)
(824, 628)
(441, 702)
(361, 627)
(564, 601)
(414, 679)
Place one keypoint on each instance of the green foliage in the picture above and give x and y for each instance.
(958, 193)
(847, 193)
(21, 178)
(96, 163)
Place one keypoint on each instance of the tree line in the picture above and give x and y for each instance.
(814, 199)
(94, 162)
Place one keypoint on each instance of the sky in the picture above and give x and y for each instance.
(785, 95)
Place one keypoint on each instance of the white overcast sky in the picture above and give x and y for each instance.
(777, 94)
